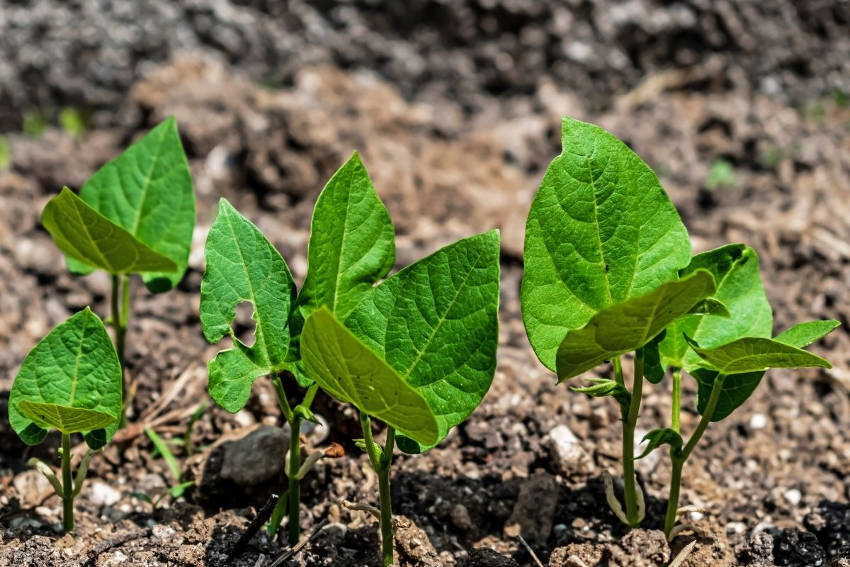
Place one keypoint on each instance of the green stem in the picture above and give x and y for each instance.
(618, 372)
(680, 458)
(293, 527)
(382, 464)
(677, 400)
(120, 315)
(67, 485)
(629, 480)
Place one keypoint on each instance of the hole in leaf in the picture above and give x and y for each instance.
(244, 324)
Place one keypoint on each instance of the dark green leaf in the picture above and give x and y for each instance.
(658, 437)
(653, 370)
(737, 388)
(74, 366)
(624, 327)
(147, 190)
(600, 231)
(243, 266)
(436, 323)
(82, 233)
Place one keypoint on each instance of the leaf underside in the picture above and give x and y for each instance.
(147, 190)
(436, 324)
(74, 367)
(348, 370)
(85, 235)
(624, 327)
(601, 231)
(64, 419)
(755, 354)
(243, 266)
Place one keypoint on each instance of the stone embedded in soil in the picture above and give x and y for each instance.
(639, 548)
(251, 460)
(534, 509)
(413, 546)
(101, 494)
(567, 454)
(31, 486)
(577, 555)
(484, 557)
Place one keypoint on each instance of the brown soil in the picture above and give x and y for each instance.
(767, 486)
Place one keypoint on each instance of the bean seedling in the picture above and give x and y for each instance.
(351, 247)
(418, 352)
(135, 215)
(608, 271)
(70, 382)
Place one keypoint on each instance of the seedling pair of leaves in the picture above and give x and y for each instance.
(69, 382)
(609, 271)
(416, 351)
(135, 215)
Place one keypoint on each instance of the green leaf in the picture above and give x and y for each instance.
(147, 190)
(737, 388)
(624, 327)
(658, 437)
(74, 366)
(64, 419)
(243, 266)
(352, 244)
(600, 231)
(345, 368)
(166, 453)
(601, 387)
(178, 490)
(712, 306)
(804, 334)
(754, 354)
(653, 370)
(436, 323)
(83, 234)
(735, 268)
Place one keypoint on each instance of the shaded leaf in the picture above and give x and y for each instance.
(601, 231)
(658, 437)
(624, 327)
(147, 190)
(74, 366)
(345, 368)
(243, 266)
(436, 323)
(737, 388)
(711, 306)
(653, 370)
(64, 419)
(82, 233)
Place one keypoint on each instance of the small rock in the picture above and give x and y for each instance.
(413, 546)
(460, 518)
(534, 509)
(101, 494)
(484, 557)
(567, 454)
(31, 486)
(793, 496)
(758, 421)
(256, 457)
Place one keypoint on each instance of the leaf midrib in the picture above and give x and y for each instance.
(146, 186)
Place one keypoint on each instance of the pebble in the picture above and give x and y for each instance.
(793, 496)
(758, 421)
(460, 518)
(101, 494)
(567, 454)
(247, 460)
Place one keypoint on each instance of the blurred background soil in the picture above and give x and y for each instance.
(742, 108)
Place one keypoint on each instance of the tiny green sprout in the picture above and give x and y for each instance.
(70, 382)
(351, 247)
(418, 353)
(72, 121)
(720, 175)
(178, 488)
(34, 124)
(135, 215)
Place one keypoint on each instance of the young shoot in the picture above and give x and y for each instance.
(135, 215)
(70, 382)
(418, 354)
(351, 247)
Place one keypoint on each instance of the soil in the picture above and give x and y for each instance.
(455, 109)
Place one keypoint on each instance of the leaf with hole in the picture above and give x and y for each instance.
(601, 231)
(74, 367)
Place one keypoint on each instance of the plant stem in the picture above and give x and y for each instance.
(618, 372)
(630, 419)
(120, 316)
(677, 400)
(293, 527)
(679, 459)
(382, 465)
(67, 485)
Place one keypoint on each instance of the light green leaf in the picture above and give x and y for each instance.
(602, 387)
(712, 306)
(658, 437)
(82, 233)
(243, 266)
(74, 366)
(754, 354)
(147, 190)
(436, 323)
(348, 370)
(64, 419)
(804, 334)
(352, 243)
(600, 231)
(735, 268)
(626, 326)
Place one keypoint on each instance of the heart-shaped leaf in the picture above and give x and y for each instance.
(754, 354)
(436, 323)
(147, 190)
(64, 419)
(659, 437)
(243, 266)
(84, 234)
(74, 367)
(601, 231)
(348, 370)
(624, 327)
